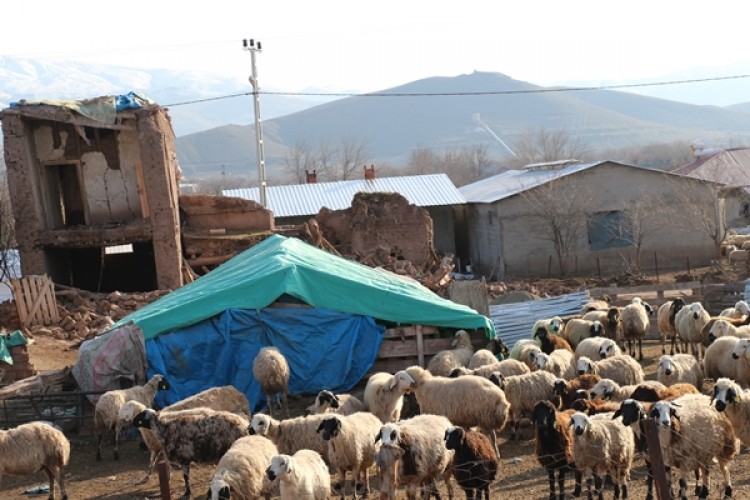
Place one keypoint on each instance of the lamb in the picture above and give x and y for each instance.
(481, 358)
(634, 323)
(200, 435)
(523, 392)
(679, 368)
(665, 317)
(351, 446)
(412, 454)
(465, 401)
(302, 475)
(718, 360)
(688, 323)
(565, 392)
(739, 311)
(729, 398)
(32, 447)
(693, 434)
(328, 402)
(126, 414)
(109, 404)
(622, 369)
(579, 329)
(523, 349)
(551, 342)
(291, 435)
(507, 367)
(443, 362)
(554, 446)
(603, 445)
(609, 318)
(597, 348)
(475, 462)
(560, 363)
(271, 370)
(242, 470)
(384, 397)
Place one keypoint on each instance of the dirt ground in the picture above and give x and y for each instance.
(520, 476)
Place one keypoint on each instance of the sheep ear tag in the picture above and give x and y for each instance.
(556, 426)
(737, 399)
(586, 411)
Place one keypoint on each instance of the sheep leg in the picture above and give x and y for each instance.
(99, 447)
(577, 490)
(640, 349)
(186, 478)
(649, 481)
(599, 486)
(51, 478)
(286, 406)
(727, 480)
(683, 486)
(551, 478)
(269, 399)
(117, 441)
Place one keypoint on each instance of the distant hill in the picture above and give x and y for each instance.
(743, 107)
(423, 113)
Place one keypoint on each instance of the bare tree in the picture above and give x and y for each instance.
(478, 160)
(325, 158)
(298, 159)
(699, 209)
(422, 160)
(558, 212)
(638, 224)
(543, 145)
(351, 154)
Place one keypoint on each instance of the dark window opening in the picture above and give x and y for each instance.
(66, 196)
(609, 230)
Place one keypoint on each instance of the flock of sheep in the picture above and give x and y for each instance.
(575, 378)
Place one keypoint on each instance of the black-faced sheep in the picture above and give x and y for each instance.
(475, 461)
(603, 445)
(597, 348)
(633, 414)
(242, 470)
(635, 323)
(693, 434)
(202, 436)
(565, 392)
(665, 317)
(443, 362)
(523, 350)
(577, 330)
(465, 401)
(108, 407)
(271, 370)
(554, 446)
(597, 304)
(303, 475)
(719, 360)
(412, 454)
(730, 398)
(33, 447)
(351, 446)
(609, 318)
(328, 402)
(384, 397)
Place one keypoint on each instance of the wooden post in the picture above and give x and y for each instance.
(420, 346)
(688, 266)
(656, 266)
(657, 461)
(163, 468)
(599, 267)
(549, 267)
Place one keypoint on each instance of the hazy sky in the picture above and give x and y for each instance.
(361, 46)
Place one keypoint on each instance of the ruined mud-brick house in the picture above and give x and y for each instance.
(94, 190)
(405, 214)
(600, 210)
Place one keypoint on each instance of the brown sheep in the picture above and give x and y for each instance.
(566, 390)
(551, 342)
(554, 446)
(475, 460)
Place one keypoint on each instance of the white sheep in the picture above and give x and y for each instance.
(665, 318)
(384, 397)
(610, 319)
(30, 448)
(241, 472)
(412, 454)
(221, 398)
(292, 434)
(481, 358)
(553, 325)
(600, 446)
(525, 391)
(303, 475)
(328, 402)
(742, 362)
(736, 255)
(443, 362)
(351, 446)
(718, 360)
(622, 369)
(466, 401)
(634, 323)
(108, 407)
(689, 322)
(577, 330)
(506, 367)
(692, 435)
(679, 368)
(560, 363)
(730, 398)
(739, 311)
(722, 328)
(200, 435)
(271, 370)
(523, 350)
(597, 348)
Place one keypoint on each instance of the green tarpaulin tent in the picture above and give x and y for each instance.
(279, 265)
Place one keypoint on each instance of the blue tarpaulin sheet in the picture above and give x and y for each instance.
(325, 350)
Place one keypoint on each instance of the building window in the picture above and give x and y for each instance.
(609, 230)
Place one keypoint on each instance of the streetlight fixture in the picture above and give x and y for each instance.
(251, 46)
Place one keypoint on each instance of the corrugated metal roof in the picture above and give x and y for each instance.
(730, 167)
(307, 199)
(514, 321)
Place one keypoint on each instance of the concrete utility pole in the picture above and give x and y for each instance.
(254, 48)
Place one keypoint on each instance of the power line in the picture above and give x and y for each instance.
(471, 93)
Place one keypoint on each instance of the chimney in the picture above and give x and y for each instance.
(370, 173)
(311, 177)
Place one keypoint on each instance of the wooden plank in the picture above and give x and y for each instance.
(28, 298)
(420, 346)
(20, 303)
(35, 315)
(398, 349)
(408, 331)
(52, 302)
(140, 182)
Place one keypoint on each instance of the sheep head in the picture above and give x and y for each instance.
(604, 389)
(330, 427)
(631, 411)
(579, 422)
(663, 412)
(280, 466)
(454, 437)
(584, 365)
(725, 393)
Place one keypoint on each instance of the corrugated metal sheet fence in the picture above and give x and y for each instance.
(514, 321)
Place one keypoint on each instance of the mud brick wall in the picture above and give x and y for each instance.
(21, 368)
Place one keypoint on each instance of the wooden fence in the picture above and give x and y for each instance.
(35, 300)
